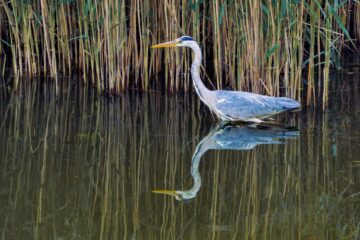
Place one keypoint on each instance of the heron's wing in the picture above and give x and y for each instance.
(245, 105)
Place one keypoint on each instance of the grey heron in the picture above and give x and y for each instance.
(231, 105)
(239, 137)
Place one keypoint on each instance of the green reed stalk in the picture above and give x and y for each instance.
(310, 87)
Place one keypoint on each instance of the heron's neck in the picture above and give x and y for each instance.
(195, 172)
(201, 148)
(200, 88)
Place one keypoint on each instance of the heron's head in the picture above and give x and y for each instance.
(184, 41)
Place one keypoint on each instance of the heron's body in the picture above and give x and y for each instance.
(247, 107)
(232, 105)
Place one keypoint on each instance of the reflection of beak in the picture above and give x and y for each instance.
(167, 192)
(165, 45)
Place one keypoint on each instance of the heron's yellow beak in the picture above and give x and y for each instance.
(166, 44)
(167, 192)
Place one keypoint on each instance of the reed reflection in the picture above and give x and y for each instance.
(81, 166)
(229, 137)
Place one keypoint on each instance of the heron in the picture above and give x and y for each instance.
(239, 137)
(231, 106)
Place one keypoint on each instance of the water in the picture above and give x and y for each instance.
(84, 166)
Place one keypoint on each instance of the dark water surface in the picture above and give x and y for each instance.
(84, 167)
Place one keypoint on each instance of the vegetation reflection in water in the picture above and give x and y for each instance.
(83, 167)
(240, 137)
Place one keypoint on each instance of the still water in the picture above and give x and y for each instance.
(83, 166)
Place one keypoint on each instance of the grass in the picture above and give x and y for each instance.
(267, 47)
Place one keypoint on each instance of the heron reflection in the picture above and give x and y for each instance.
(241, 137)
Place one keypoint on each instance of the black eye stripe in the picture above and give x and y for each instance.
(186, 38)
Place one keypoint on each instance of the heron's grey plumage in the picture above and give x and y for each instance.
(235, 105)
(243, 106)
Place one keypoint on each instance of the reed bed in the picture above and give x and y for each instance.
(270, 47)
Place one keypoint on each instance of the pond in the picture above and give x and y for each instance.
(83, 166)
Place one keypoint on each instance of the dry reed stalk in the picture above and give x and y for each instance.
(357, 19)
